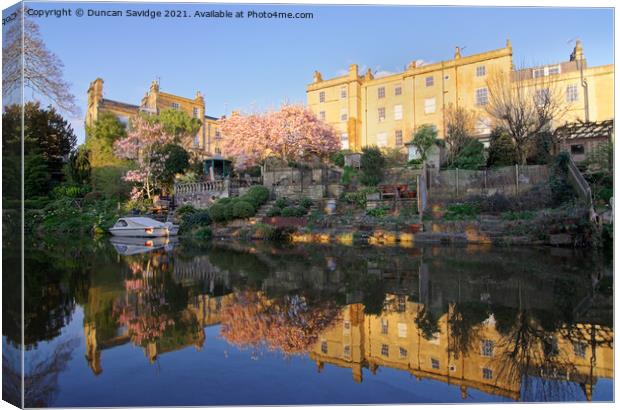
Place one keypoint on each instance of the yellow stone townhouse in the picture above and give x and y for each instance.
(206, 142)
(386, 110)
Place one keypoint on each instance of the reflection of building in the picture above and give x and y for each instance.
(112, 313)
(385, 108)
(203, 309)
(206, 141)
(395, 339)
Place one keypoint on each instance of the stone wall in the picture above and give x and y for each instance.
(200, 194)
(297, 183)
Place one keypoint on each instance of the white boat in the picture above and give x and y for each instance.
(143, 227)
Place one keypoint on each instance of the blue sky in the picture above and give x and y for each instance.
(252, 64)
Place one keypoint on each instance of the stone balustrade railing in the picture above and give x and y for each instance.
(200, 187)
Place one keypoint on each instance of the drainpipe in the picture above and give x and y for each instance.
(584, 84)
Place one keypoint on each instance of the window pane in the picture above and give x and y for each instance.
(572, 93)
(382, 142)
(385, 350)
(577, 149)
(381, 92)
(398, 112)
(429, 81)
(381, 114)
(482, 97)
(429, 106)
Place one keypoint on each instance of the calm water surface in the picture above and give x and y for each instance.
(133, 323)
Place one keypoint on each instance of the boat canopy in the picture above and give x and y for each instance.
(139, 222)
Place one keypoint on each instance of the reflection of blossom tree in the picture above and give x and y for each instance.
(141, 311)
(40, 376)
(289, 324)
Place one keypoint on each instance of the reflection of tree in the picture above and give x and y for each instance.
(40, 376)
(48, 297)
(153, 308)
(374, 295)
(427, 322)
(290, 324)
(464, 320)
(528, 352)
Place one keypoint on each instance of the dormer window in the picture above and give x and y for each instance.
(547, 70)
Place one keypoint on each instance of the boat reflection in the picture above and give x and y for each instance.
(127, 246)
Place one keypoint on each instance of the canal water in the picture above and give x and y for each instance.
(147, 323)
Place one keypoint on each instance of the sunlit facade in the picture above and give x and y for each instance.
(384, 110)
(206, 142)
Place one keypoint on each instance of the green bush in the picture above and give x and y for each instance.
(337, 157)
(70, 191)
(306, 203)
(294, 211)
(203, 233)
(243, 209)
(219, 212)
(461, 211)
(197, 218)
(275, 211)
(264, 231)
(347, 175)
(225, 201)
(359, 197)
(502, 151)
(471, 156)
(257, 195)
(281, 202)
(372, 164)
(378, 212)
(185, 209)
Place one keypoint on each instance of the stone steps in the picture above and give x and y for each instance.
(262, 211)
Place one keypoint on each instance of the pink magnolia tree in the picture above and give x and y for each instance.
(140, 145)
(293, 133)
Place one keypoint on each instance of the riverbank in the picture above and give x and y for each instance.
(566, 226)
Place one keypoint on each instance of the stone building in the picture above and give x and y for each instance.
(206, 142)
(384, 110)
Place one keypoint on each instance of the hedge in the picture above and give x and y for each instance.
(243, 209)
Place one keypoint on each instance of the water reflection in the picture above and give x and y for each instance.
(517, 324)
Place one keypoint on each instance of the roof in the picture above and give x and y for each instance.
(140, 220)
(595, 129)
(119, 104)
(211, 118)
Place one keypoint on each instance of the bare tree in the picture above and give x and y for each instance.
(524, 105)
(40, 69)
(460, 125)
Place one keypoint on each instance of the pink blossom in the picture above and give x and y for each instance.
(293, 133)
